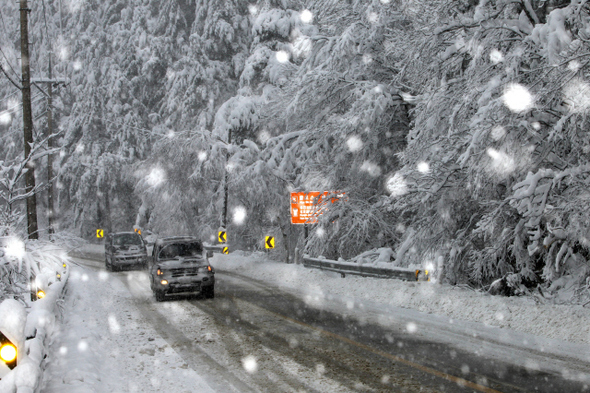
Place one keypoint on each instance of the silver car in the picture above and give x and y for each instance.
(180, 266)
(124, 249)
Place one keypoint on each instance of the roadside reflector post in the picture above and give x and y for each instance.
(13, 318)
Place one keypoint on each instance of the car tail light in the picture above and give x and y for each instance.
(209, 268)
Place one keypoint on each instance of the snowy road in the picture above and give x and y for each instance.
(252, 337)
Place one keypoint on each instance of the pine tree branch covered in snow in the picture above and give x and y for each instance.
(456, 129)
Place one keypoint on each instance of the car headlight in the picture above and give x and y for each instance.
(8, 353)
(160, 273)
(40, 294)
(164, 282)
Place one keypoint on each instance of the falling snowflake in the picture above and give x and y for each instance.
(396, 185)
(502, 163)
(239, 215)
(82, 346)
(371, 168)
(63, 350)
(282, 56)
(64, 53)
(411, 327)
(15, 248)
(320, 369)
(230, 166)
(496, 56)
(202, 156)
(252, 9)
(574, 65)
(498, 133)
(536, 125)
(77, 65)
(5, 118)
(320, 232)
(306, 16)
(114, 326)
(517, 98)
(423, 167)
(354, 143)
(367, 59)
(79, 148)
(373, 17)
(156, 177)
(250, 364)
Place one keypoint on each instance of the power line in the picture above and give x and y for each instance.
(6, 33)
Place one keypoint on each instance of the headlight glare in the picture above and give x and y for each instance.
(8, 353)
(40, 294)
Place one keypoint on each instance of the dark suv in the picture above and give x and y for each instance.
(124, 249)
(180, 266)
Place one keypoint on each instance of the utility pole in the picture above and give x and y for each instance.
(50, 204)
(225, 188)
(50, 144)
(32, 227)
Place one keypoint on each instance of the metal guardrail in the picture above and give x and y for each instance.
(345, 268)
(214, 247)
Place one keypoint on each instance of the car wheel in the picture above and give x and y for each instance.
(159, 296)
(209, 293)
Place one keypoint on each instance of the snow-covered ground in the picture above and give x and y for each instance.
(92, 355)
(519, 314)
(442, 312)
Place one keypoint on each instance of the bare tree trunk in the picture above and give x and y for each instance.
(32, 227)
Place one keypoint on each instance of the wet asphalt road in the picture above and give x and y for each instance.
(355, 352)
(252, 317)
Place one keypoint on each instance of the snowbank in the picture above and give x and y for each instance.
(36, 326)
(520, 314)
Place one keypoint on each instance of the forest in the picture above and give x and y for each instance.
(457, 129)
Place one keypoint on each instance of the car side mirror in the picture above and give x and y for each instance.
(209, 254)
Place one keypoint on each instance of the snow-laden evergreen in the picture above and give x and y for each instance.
(455, 129)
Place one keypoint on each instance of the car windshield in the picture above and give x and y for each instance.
(181, 250)
(127, 239)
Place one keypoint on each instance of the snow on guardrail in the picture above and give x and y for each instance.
(366, 270)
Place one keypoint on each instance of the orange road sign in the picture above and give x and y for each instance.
(306, 207)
